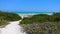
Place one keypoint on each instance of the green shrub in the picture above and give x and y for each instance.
(5, 17)
(36, 18)
(57, 16)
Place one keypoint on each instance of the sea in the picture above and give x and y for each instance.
(25, 14)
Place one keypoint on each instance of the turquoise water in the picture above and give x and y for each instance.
(33, 13)
(26, 14)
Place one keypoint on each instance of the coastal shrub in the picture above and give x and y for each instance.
(57, 16)
(42, 24)
(35, 18)
(41, 28)
(7, 16)
(51, 18)
(42, 18)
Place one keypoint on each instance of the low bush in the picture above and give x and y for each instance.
(5, 17)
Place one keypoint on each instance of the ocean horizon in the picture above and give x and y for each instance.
(32, 13)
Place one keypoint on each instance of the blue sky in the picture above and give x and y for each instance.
(30, 5)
